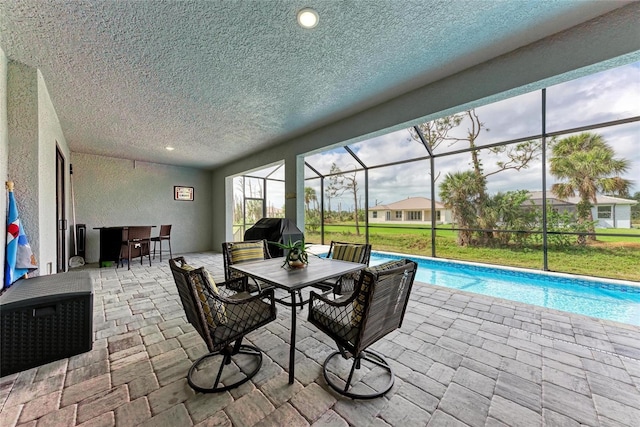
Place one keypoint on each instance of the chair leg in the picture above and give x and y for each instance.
(226, 355)
(146, 245)
(160, 242)
(366, 355)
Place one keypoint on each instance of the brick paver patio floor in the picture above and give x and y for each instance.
(459, 359)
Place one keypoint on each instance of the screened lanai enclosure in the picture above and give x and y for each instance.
(545, 180)
(258, 194)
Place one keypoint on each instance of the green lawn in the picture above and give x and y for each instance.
(634, 231)
(610, 256)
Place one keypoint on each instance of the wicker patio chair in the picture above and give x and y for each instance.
(239, 252)
(352, 252)
(357, 321)
(222, 317)
(163, 236)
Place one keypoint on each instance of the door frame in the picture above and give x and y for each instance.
(61, 213)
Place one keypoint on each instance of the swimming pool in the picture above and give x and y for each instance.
(619, 301)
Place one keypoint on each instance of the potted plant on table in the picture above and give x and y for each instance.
(295, 253)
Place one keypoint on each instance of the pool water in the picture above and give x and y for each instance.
(596, 298)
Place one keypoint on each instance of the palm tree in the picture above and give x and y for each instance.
(309, 196)
(460, 192)
(587, 165)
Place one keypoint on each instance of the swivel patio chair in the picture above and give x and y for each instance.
(239, 252)
(222, 317)
(164, 235)
(352, 252)
(355, 322)
(136, 243)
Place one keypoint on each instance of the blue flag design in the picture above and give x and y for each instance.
(19, 257)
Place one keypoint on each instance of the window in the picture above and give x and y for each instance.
(374, 214)
(604, 212)
(257, 194)
(431, 164)
(414, 215)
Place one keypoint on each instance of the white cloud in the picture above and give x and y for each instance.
(605, 96)
(609, 95)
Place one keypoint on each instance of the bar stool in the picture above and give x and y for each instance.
(137, 244)
(165, 234)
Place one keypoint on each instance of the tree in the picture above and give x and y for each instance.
(436, 132)
(635, 209)
(459, 192)
(312, 216)
(335, 187)
(339, 183)
(587, 165)
(512, 210)
(309, 196)
(515, 157)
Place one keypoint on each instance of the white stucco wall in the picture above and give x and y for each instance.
(49, 135)
(620, 217)
(4, 142)
(623, 216)
(117, 192)
(445, 218)
(23, 145)
(602, 43)
(32, 131)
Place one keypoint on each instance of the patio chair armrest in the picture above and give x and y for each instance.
(218, 294)
(257, 284)
(241, 297)
(338, 302)
(233, 283)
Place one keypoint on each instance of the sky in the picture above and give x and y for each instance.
(609, 95)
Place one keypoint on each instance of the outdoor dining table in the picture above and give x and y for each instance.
(292, 280)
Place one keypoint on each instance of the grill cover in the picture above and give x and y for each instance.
(274, 230)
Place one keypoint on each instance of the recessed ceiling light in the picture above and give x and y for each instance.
(169, 148)
(308, 18)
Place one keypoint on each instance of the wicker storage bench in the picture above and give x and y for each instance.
(44, 319)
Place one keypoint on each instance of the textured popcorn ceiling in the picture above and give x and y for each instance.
(218, 80)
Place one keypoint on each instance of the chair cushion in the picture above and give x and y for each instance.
(242, 317)
(358, 303)
(221, 315)
(347, 252)
(333, 281)
(336, 320)
(247, 251)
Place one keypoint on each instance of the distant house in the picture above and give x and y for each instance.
(610, 212)
(273, 212)
(412, 210)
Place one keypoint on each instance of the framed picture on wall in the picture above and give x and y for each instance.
(183, 193)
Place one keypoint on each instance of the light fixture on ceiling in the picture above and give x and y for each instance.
(308, 18)
(168, 148)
